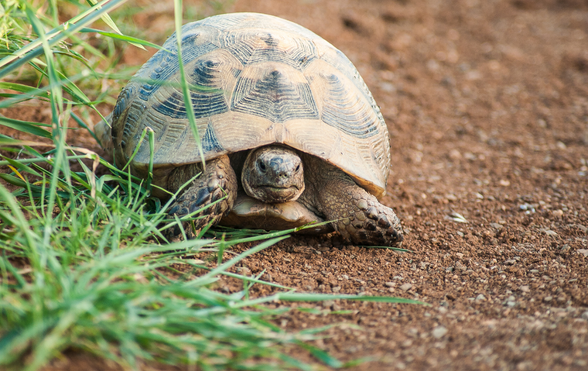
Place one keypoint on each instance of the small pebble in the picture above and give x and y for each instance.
(389, 284)
(328, 303)
(547, 299)
(527, 208)
(480, 297)
(451, 197)
(406, 287)
(459, 265)
(439, 332)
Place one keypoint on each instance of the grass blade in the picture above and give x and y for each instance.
(230, 263)
(185, 89)
(120, 36)
(25, 127)
(321, 355)
(35, 48)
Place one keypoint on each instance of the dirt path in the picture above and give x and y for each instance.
(487, 104)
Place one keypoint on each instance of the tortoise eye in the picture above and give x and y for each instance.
(298, 167)
(261, 165)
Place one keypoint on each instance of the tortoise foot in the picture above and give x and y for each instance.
(370, 223)
(208, 198)
(356, 214)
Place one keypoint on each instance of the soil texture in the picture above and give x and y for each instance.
(487, 107)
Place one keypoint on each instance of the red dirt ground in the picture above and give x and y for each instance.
(487, 105)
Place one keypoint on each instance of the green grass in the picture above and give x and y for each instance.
(83, 259)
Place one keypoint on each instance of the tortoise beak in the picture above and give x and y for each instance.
(275, 194)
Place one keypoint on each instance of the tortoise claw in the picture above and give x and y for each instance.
(217, 181)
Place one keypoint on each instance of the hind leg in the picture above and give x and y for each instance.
(217, 182)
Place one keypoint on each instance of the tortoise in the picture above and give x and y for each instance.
(289, 132)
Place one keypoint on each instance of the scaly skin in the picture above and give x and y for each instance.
(328, 192)
(273, 174)
(357, 215)
(217, 181)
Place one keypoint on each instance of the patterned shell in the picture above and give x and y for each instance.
(258, 80)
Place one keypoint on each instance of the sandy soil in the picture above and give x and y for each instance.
(487, 105)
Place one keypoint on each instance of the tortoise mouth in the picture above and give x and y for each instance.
(278, 194)
(276, 188)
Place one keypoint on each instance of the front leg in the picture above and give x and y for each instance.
(356, 214)
(216, 182)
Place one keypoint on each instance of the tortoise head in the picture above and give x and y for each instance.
(273, 174)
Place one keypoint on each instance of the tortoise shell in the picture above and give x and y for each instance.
(255, 80)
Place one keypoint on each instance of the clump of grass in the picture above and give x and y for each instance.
(82, 263)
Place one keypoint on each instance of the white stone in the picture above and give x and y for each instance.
(439, 332)
(406, 287)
